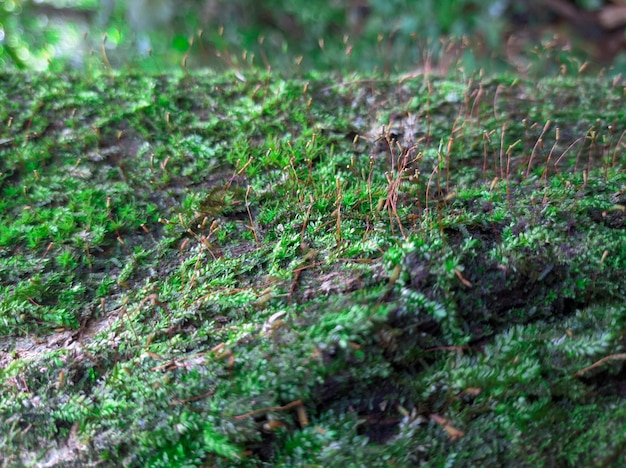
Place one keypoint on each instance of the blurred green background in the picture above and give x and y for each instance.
(295, 36)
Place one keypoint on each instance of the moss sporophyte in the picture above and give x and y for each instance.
(429, 270)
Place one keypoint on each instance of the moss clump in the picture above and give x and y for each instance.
(215, 270)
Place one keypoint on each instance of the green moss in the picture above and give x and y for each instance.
(210, 270)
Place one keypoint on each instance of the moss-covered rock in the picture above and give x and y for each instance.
(244, 271)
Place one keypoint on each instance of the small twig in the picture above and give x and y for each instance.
(450, 348)
(461, 278)
(296, 276)
(267, 409)
(612, 357)
(453, 432)
(190, 399)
